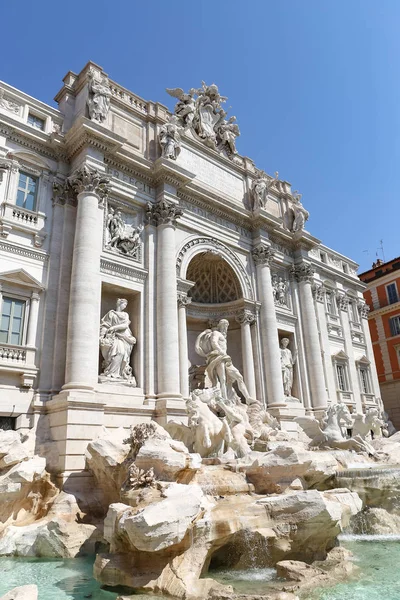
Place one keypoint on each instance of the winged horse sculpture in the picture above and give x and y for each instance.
(329, 434)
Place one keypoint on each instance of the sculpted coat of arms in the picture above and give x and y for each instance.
(201, 111)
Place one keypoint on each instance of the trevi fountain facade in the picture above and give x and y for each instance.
(187, 378)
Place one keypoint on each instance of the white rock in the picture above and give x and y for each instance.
(12, 451)
(165, 523)
(167, 457)
(27, 471)
(23, 592)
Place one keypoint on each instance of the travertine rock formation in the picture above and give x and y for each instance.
(23, 592)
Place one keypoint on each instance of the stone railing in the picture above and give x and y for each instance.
(25, 216)
(12, 354)
(128, 98)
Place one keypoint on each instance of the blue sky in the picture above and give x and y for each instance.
(314, 84)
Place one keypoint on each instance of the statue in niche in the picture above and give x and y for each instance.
(288, 360)
(99, 97)
(170, 138)
(260, 189)
(212, 345)
(300, 213)
(116, 345)
(120, 236)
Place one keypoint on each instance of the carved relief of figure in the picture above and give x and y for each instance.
(281, 292)
(300, 213)
(120, 236)
(260, 189)
(170, 139)
(287, 361)
(99, 98)
(219, 367)
(116, 344)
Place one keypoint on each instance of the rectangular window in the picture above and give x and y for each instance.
(26, 192)
(345, 268)
(8, 423)
(36, 122)
(341, 376)
(364, 380)
(330, 303)
(391, 291)
(12, 321)
(395, 325)
(354, 312)
(322, 256)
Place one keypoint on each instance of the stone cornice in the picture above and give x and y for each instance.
(118, 269)
(23, 251)
(384, 310)
(22, 135)
(167, 171)
(85, 132)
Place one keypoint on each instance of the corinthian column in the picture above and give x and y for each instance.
(246, 318)
(303, 273)
(164, 215)
(263, 256)
(183, 301)
(81, 370)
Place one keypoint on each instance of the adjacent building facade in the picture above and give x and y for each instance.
(383, 298)
(111, 206)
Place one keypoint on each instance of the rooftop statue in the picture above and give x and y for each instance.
(300, 213)
(170, 138)
(201, 110)
(99, 97)
(260, 189)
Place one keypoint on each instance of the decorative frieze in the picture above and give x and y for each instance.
(9, 105)
(263, 255)
(163, 213)
(122, 271)
(87, 179)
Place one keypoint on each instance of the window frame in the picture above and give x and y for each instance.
(36, 179)
(387, 286)
(331, 294)
(392, 320)
(25, 317)
(38, 118)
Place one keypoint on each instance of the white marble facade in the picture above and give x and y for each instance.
(109, 205)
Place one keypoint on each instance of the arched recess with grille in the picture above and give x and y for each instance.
(204, 259)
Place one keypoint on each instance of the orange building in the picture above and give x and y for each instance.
(383, 298)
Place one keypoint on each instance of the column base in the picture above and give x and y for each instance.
(287, 414)
(76, 418)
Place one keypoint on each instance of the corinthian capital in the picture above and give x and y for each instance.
(86, 179)
(183, 299)
(245, 316)
(303, 272)
(262, 255)
(163, 212)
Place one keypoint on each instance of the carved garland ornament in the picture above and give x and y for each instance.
(214, 243)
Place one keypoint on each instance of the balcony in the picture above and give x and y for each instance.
(14, 217)
(19, 360)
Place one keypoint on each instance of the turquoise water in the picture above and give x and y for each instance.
(70, 579)
(378, 557)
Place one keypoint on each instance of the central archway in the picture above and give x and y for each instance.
(215, 280)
